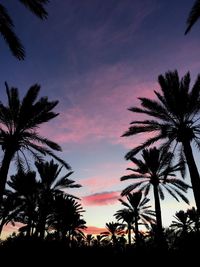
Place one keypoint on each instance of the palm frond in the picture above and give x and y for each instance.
(193, 16)
(148, 112)
(144, 202)
(140, 129)
(182, 196)
(137, 149)
(37, 7)
(161, 194)
(178, 183)
(66, 183)
(147, 189)
(35, 137)
(156, 107)
(171, 193)
(131, 176)
(7, 31)
(130, 188)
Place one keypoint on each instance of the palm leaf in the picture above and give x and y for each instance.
(147, 189)
(137, 149)
(193, 16)
(140, 129)
(161, 194)
(130, 188)
(37, 7)
(9, 35)
(171, 192)
(131, 176)
(184, 198)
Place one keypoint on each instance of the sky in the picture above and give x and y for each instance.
(97, 57)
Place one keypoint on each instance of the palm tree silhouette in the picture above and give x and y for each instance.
(51, 184)
(182, 225)
(193, 15)
(194, 217)
(156, 171)
(19, 122)
(25, 190)
(137, 210)
(176, 113)
(37, 7)
(9, 210)
(114, 230)
(89, 238)
(126, 215)
(65, 217)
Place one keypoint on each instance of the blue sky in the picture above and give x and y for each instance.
(96, 57)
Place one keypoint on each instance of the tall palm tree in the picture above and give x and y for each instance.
(19, 123)
(176, 121)
(51, 184)
(157, 171)
(137, 207)
(37, 7)
(194, 15)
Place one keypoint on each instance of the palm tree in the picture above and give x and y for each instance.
(9, 210)
(19, 122)
(114, 230)
(193, 15)
(126, 215)
(182, 224)
(37, 7)
(51, 184)
(65, 216)
(157, 171)
(25, 191)
(100, 239)
(137, 210)
(89, 238)
(194, 217)
(176, 121)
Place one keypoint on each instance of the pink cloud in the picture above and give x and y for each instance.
(99, 112)
(99, 183)
(9, 229)
(101, 199)
(93, 230)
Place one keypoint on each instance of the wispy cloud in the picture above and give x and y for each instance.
(101, 199)
(98, 183)
(111, 30)
(99, 110)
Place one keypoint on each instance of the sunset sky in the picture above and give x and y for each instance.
(96, 57)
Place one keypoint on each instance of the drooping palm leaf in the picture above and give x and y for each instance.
(193, 16)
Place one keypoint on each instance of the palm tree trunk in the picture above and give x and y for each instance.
(159, 232)
(136, 230)
(4, 171)
(129, 234)
(42, 225)
(29, 224)
(194, 174)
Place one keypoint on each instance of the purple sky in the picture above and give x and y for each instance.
(96, 57)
